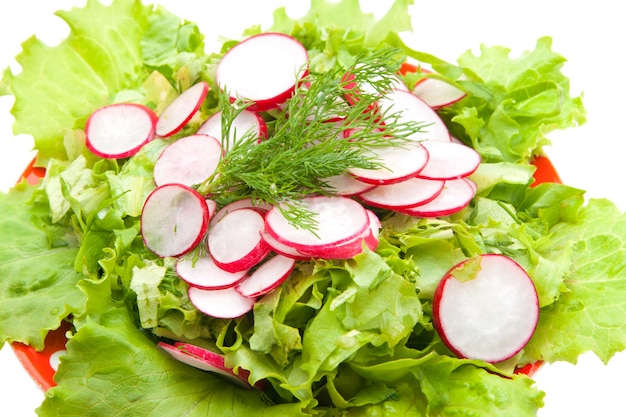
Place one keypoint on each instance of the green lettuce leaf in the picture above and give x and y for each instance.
(37, 277)
(129, 375)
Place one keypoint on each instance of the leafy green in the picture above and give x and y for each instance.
(339, 338)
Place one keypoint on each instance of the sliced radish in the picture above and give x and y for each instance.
(403, 195)
(224, 304)
(205, 360)
(410, 108)
(349, 249)
(269, 275)
(235, 241)
(486, 308)
(347, 185)
(205, 274)
(212, 206)
(399, 163)
(189, 160)
(262, 208)
(245, 123)
(283, 249)
(119, 130)
(178, 113)
(437, 93)
(338, 220)
(174, 220)
(265, 69)
(449, 160)
(455, 196)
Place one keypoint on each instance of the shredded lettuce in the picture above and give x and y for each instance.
(339, 338)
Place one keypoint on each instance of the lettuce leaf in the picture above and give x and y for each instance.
(37, 277)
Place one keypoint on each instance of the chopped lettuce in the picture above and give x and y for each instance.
(339, 338)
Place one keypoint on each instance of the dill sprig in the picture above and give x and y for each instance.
(305, 144)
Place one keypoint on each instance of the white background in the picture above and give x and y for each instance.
(590, 35)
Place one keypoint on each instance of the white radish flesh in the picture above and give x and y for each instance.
(188, 161)
(398, 164)
(205, 274)
(119, 130)
(235, 241)
(174, 220)
(246, 124)
(178, 113)
(487, 311)
(205, 360)
(410, 108)
(449, 160)
(268, 276)
(338, 220)
(224, 304)
(347, 185)
(403, 195)
(262, 208)
(264, 69)
(455, 196)
(283, 249)
(437, 93)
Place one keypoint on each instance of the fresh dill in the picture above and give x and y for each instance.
(307, 140)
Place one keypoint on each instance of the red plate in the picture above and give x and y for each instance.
(41, 365)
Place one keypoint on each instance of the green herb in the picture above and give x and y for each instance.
(306, 143)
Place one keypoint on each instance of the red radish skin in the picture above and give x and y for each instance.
(449, 160)
(203, 273)
(268, 276)
(399, 163)
(486, 311)
(235, 241)
(120, 130)
(403, 195)
(264, 68)
(174, 220)
(188, 161)
(227, 303)
(180, 111)
(262, 208)
(454, 197)
(283, 249)
(410, 108)
(347, 185)
(205, 360)
(338, 220)
(246, 123)
(437, 93)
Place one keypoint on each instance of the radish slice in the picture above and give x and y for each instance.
(212, 206)
(119, 130)
(205, 274)
(188, 161)
(262, 208)
(347, 185)
(181, 110)
(264, 69)
(399, 163)
(245, 123)
(205, 360)
(449, 160)
(338, 220)
(455, 196)
(406, 194)
(410, 108)
(224, 304)
(282, 249)
(486, 308)
(437, 93)
(174, 220)
(267, 277)
(235, 241)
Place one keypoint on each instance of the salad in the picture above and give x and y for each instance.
(89, 271)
